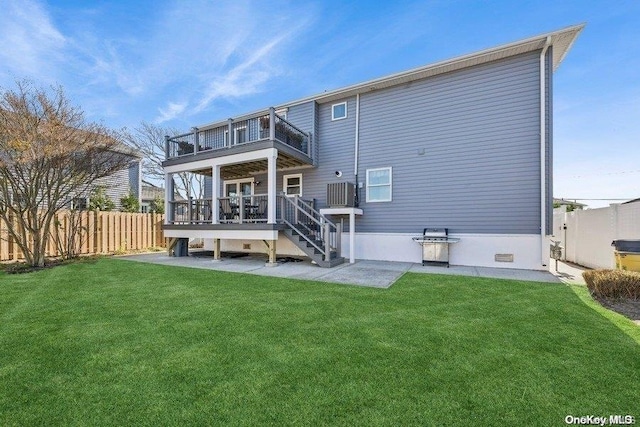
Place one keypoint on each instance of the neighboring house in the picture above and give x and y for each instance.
(571, 205)
(119, 184)
(149, 193)
(464, 144)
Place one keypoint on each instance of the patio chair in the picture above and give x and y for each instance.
(226, 211)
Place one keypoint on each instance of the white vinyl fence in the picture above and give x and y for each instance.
(586, 235)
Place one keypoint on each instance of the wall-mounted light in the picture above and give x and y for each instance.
(338, 174)
(257, 183)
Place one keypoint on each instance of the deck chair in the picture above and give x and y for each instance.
(226, 212)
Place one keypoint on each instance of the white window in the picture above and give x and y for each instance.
(379, 185)
(339, 111)
(282, 113)
(292, 184)
(239, 136)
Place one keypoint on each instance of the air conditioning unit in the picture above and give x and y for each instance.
(341, 194)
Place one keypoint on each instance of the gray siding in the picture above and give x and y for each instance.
(134, 179)
(302, 116)
(118, 184)
(336, 141)
(464, 148)
(479, 131)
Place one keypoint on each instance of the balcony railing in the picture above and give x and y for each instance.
(192, 211)
(231, 210)
(266, 125)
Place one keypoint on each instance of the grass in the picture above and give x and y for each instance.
(121, 343)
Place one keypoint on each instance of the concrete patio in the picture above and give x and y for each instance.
(378, 274)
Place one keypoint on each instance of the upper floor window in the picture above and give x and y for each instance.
(292, 184)
(339, 111)
(379, 185)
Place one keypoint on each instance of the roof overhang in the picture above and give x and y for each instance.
(561, 40)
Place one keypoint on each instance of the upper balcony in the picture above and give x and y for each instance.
(253, 132)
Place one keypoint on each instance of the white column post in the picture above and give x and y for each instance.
(271, 187)
(168, 198)
(215, 194)
(352, 237)
(272, 123)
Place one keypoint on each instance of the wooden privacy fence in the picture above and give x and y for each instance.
(97, 233)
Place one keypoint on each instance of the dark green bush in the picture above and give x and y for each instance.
(613, 283)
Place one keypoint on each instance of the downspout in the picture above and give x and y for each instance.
(357, 143)
(543, 143)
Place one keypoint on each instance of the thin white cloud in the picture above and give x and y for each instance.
(31, 45)
(244, 79)
(219, 58)
(172, 111)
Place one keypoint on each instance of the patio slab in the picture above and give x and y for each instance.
(377, 274)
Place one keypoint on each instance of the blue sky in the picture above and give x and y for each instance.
(185, 63)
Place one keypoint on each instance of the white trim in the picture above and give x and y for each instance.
(333, 106)
(238, 182)
(223, 234)
(221, 161)
(390, 169)
(284, 183)
(235, 134)
(543, 158)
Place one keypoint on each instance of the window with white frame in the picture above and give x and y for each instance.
(282, 113)
(292, 184)
(379, 185)
(339, 111)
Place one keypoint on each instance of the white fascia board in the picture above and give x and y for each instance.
(249, 156)
(341, 211)
(224, 234)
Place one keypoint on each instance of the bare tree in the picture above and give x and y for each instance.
(149, 140)
(49, 154)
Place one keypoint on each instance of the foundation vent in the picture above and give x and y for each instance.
(504, 257)
(246, 246)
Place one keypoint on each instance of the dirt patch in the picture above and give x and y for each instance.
(22, 267)
(627, 307)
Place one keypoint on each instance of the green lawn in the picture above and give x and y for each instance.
(120, 343)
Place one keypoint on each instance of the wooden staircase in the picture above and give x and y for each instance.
(311, 231)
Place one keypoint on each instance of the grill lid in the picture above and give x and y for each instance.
(436, 235)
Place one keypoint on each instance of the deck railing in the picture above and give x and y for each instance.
(192, 211)
(266, 125)
(311, 225)
(243, 209)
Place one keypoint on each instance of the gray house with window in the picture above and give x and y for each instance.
(357, 172)
(119, 184)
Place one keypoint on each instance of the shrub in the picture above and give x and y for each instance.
(130, 203)
(613, 283)
(99, 201)
(156, 206)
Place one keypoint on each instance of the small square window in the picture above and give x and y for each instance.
(292, 184)
(339, 111)
(379, 185)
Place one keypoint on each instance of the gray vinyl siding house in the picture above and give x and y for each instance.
(118, 184)
(460, 142)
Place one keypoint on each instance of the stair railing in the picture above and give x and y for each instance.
(300, 214)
